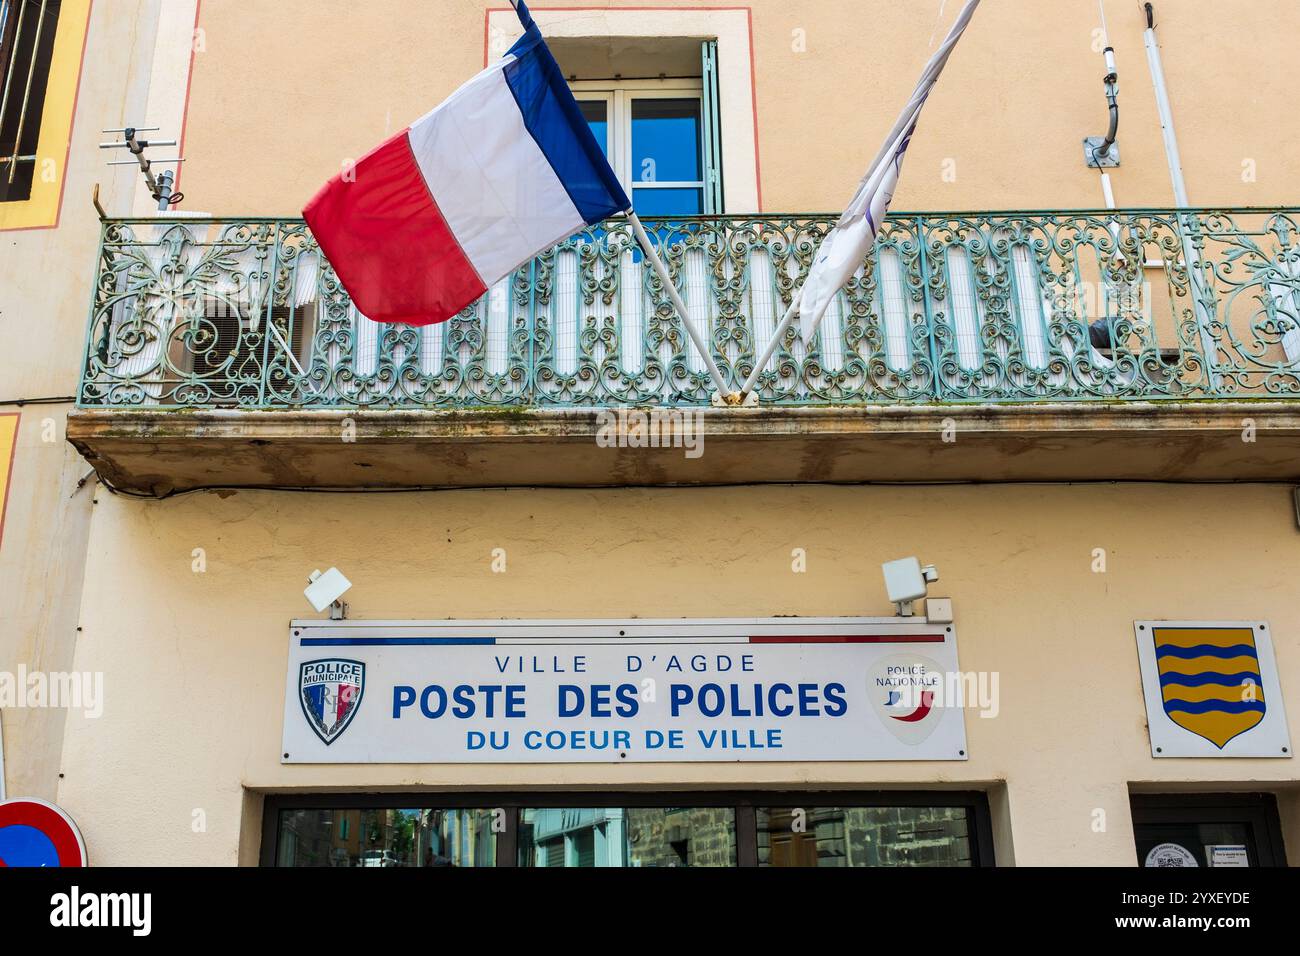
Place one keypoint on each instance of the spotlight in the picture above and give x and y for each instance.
(907, 581)
(325, 590)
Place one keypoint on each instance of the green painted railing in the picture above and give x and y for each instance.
(951, 307)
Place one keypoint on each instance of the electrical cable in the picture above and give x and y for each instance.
(48, 400)
(576, 486)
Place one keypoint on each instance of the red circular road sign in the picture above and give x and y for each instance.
(36, 833)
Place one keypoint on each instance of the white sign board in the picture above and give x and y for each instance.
(622, 691)
(1211, 689)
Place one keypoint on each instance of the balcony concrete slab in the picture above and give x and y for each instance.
(158, 452)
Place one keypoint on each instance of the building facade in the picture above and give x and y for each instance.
(1068, 389)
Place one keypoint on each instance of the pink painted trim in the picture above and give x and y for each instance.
(185, 110)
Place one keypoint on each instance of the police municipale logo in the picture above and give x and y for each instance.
(330, 692)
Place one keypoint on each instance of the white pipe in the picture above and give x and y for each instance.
(1166, 118)
(1111, 72)
(1107, 193)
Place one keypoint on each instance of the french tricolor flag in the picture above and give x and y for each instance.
(503, 169)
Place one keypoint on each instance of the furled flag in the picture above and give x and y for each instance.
(504, 168)
(847, 245)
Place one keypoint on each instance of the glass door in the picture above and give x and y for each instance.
(1219, 830)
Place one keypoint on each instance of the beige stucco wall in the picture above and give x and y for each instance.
(194, 663)
(306, 84)
(280, 96)
(46, 276)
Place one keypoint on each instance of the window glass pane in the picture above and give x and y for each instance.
(610, 836)
(386, 838)
(864, 836)
(24, 52)
(666, 141)
(595, 112)
(667, 202)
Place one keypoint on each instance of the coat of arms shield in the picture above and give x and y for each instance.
(330, 692)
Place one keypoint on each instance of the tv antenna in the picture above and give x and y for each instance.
(160, 186)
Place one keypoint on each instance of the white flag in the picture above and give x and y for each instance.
(846, 246)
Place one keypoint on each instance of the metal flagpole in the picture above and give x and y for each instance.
(288, 352)
(906, 119)
(790, 313)
(727, 398)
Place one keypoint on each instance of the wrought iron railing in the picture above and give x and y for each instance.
(951, 307)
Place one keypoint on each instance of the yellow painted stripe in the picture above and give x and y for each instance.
(42, 208)
(1191, 636)
(1234, 693)
(1202, 665)
(1219, 728)
(8, 445)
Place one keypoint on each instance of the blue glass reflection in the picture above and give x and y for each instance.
(666, 140)
(667, 202)
(594, 112)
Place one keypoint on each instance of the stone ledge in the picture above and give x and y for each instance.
(152, 451)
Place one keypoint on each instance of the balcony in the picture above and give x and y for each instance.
(972, 346)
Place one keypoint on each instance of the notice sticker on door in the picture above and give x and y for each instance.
(1226, 855)
(1170, 854)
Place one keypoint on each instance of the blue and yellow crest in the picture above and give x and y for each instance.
(1209, 680)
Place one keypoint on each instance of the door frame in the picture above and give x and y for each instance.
(1257, 810)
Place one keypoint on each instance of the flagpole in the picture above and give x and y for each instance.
(902, 126)
(288, 352)
(790, 313)
(648, 248)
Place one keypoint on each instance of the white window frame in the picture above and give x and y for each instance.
(618, 96)
(737, 100)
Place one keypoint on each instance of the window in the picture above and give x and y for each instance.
(544, 829)
(383, 837)
(632, 836)
(661, 137)
(1207, 829)
(41, 46)
(654, 141)
(865, 836)
(651, 48)
(27, 32)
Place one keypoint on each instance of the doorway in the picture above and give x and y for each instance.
(1207, 829)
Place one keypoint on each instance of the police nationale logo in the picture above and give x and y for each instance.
(906, 692)
(1210, 680)
(330, 692)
